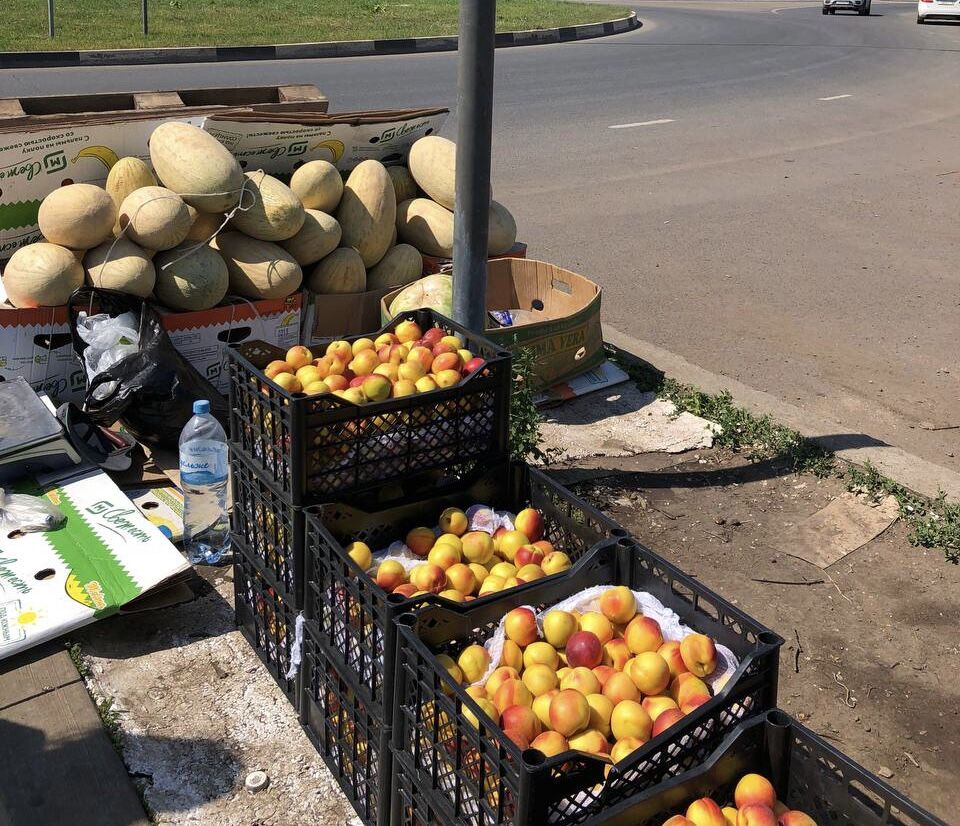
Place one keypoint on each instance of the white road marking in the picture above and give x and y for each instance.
(642, 123)
(836, 97)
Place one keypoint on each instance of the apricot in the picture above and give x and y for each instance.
(630, 720)
(643, 634)
(520, 625)
(618, 604)
(569, 712)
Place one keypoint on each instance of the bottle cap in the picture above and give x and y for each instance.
(201, 407)
(256, 781)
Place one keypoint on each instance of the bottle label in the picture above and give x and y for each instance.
(203, 462)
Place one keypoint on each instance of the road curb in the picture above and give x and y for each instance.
(911, 471)
(307, 51)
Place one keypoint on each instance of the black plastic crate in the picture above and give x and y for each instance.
(352, 739)
(271, 530)
(807, 772)
(266, 620)
(355, 618)
(312, 449)
(479, 776)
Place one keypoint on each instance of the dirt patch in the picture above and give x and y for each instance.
(876, 671)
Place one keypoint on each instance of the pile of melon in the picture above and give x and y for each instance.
(192, 226)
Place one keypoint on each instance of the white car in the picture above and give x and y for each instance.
(938, 10)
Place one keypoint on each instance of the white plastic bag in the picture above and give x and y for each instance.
(108, 340)
(19, 512)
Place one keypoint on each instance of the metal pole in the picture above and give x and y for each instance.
(146, 22)
(50, 24)
(474, 129)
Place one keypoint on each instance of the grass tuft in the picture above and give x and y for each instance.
(525, 418)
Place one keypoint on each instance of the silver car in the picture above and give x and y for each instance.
(861, 7)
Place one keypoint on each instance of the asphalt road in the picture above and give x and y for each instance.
(791, 218)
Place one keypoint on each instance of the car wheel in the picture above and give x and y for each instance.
(824, 11)
(919, 19)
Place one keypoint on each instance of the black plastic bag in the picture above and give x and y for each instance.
(155, 388)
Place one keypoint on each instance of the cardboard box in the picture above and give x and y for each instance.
(280, 143)
(337, 316)
(561, 316)
(203, 337)
(36, 343)
(433, 265)
(106, 555)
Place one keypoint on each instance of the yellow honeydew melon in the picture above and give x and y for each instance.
(77, 216)
(433, 291)
(275, 213)
(427, 226)
(368, 211)
(41, 275)
(126, 176)
(154, 217)
(342, 271)
(503, 229)
(403, 184)
(197, 166)
(318, 237)
(120, 265)
(204, 226)
(258, 269)
(401, 265)
(433, 165)
(191, 277)
(318, 185)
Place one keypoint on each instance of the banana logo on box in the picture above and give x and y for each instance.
(89, 594)
(104, 154)
(334, 147)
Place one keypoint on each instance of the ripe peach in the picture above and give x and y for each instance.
(275, 368)
(544, 546)
(288, 382)
(542, 653)
(406, 590)
(582, 679)
(729, 816)
(452, 594)
(444, 556)
(336, 382)
(429, 577)
(528, 573)
(518, 738)
(454, 520)
(433, 335)
(511, 655)
(377, 387)
(447, 378)
(499, 676)
(670, 651)
(620, 687)
(316, 388)
(666, 719)
(384, 339)
(699, 654)
(490, 585)
(446, 361)
(520, 625)
(361, 344)
(689, 693)
(340, 350)
(512, 582)
(473, 662)
(420, 541)
(650, 672)
(487, 707)
(364, 363)
(421, 355)
(643, 634)
(630, 720)
(505, 570)
(616, 654)
(477, 546)
(623, 748)
(569, 712)
(512, 693)
(795, 818)
(655, 706)
(298, 356)
(562, 672)
(618, 604)
(541, 704)
(426, 385)
(510, 542)
(360, 553)
(705, 812)
(530, 522)
(477, 692)
(756, 814)
(550, 744)
(528, 555)
(677, 820)
(407, 331)
(411, 371)
(754, 789)
(460, 576)
(584, 649)
(440, 347)
(591, 741)
(555, 563)
(449, 341)
(558, 626)
(465, 356)
(540, 679)
(308, 375)
(390, 574)
(389, 372)
(452, 668)
(601, 709)
(395, 354)
(479, 572)
(604, 673)
(522, 718)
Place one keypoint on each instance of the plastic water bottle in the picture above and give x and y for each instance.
(203, 479)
